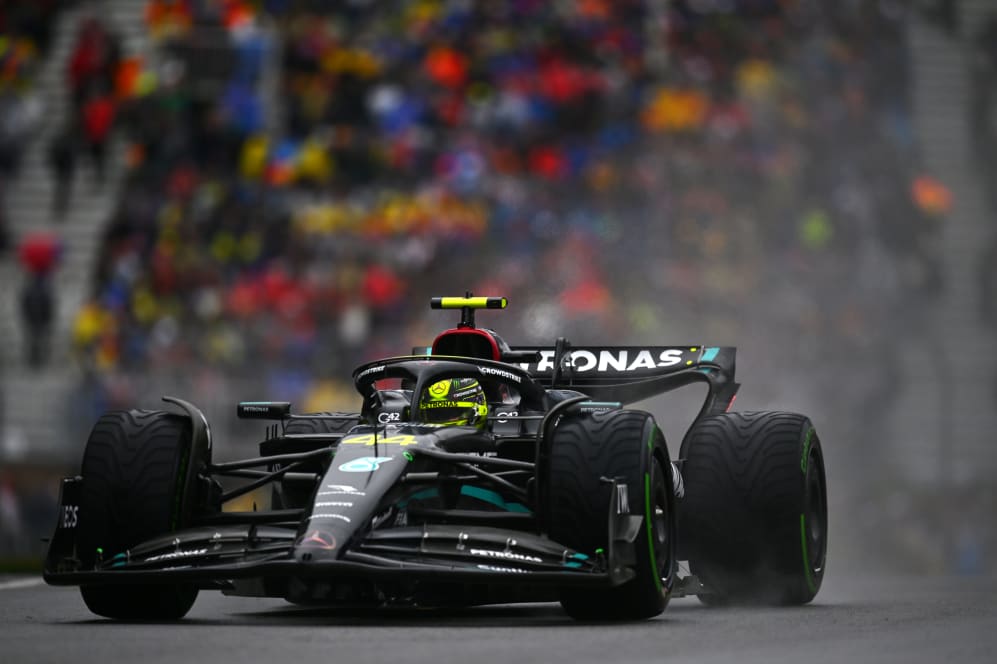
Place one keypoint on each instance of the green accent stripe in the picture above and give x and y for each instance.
(650, 530)
(811, 584)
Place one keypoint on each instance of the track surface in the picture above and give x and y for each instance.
(870, 619)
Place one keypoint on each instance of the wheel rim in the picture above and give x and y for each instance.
(815, 511)
(659, 523)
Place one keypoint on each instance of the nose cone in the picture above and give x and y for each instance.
(316, 544)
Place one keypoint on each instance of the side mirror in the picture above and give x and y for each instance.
(263, 410)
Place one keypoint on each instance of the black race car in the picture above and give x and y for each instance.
(546, 489)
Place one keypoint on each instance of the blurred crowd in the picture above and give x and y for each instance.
(98, 79)
(302, 179)
(25, 35)
(95, 83)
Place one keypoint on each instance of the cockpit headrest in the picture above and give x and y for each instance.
(470, 342)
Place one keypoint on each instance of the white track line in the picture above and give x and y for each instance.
(21, 583)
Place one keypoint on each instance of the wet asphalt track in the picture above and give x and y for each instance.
(855, 620)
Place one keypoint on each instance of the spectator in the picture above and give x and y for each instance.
(37, 313)
(20, 116)
(39, 254)
(97, 119)
(94, 60)
(62, 162)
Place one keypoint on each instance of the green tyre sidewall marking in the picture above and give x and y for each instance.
(811, 584)
(652, 459)
(804, 464)
(650, 530)
(805, 457)
(807, 465)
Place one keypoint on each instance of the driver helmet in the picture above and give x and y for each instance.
(454, 402)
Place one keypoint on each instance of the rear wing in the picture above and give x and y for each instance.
(612, 373)
(632, 373)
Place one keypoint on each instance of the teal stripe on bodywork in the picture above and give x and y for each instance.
(419, 495)
(472, 492)
(709, 354)
(493, 498)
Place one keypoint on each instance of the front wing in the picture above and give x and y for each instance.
(218, 557)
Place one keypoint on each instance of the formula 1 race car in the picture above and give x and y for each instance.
(475, 473)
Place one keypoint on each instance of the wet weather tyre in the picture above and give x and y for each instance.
(134, 467)
(754, 516)
(629, 447)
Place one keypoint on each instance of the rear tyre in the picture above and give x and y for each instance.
(628, 446)
(754, 516)
(134, 467)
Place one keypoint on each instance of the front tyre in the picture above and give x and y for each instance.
(134, 467)
(754, 516)
(629, 447)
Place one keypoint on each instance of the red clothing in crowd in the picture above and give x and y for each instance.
(381, 288)
(84, 64)
(98, 117)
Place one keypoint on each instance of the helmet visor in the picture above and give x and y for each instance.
(448, 412)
